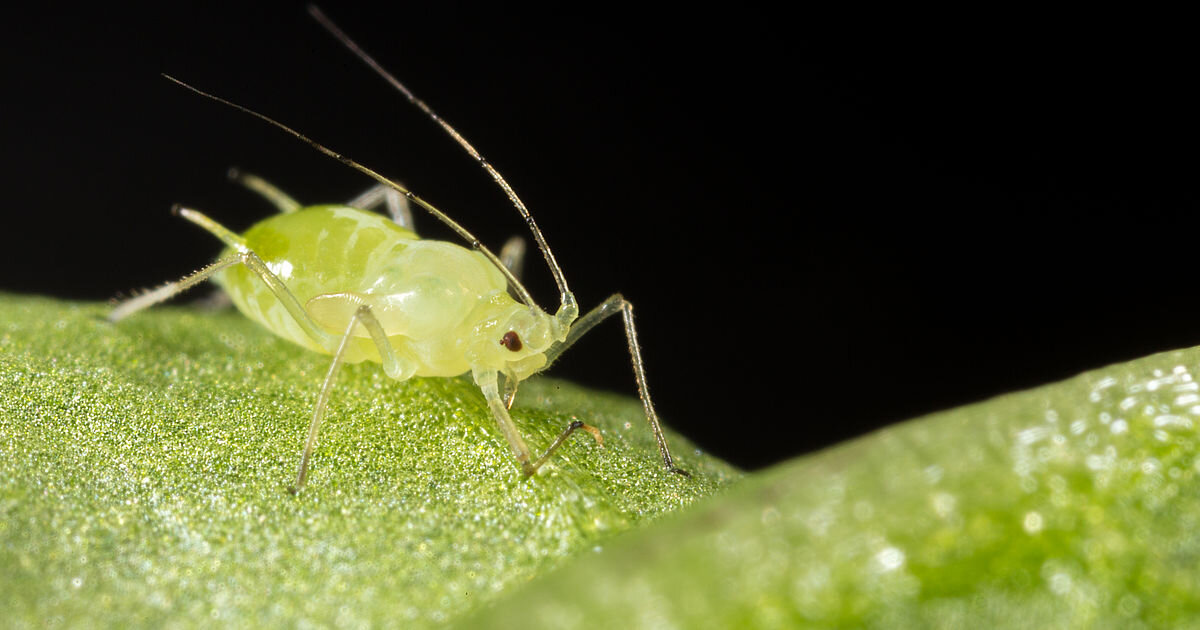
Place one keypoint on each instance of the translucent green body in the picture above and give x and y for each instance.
(443, 307)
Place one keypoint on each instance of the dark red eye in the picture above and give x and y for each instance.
(511, 341)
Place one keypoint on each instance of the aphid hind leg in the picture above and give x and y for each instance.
(391, 364)
(169, 290)
(617, 303)
(243, 255)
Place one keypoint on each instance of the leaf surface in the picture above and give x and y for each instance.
(144, 468)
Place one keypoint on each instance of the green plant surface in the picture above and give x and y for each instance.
(144, 466)
(1074, 505)
(144, 469)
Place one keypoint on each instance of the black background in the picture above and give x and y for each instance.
(822, 234)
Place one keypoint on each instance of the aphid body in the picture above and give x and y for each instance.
(443, 307)
(357, 285)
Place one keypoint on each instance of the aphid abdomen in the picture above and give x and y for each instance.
(317, 250)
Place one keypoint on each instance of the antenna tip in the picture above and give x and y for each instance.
(233, 174)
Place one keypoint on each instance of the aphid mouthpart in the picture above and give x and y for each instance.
(357, 285)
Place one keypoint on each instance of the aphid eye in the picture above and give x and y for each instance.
(511, 341)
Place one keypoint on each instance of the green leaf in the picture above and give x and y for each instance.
(1074, 505)
(144, 468)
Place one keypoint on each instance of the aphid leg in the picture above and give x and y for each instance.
(169, 290)
(512, 255)
(369, 199)
(398, 208)
(562, 437)
(510, 391)
(391, 365)
(397, 204)
(486, 379)
(259, 185)
(242, 255)
(618, 304)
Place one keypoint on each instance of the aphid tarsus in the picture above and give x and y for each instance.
(341, 280)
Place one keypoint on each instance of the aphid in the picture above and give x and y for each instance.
(360, 286)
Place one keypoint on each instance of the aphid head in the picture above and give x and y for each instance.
(514, 340)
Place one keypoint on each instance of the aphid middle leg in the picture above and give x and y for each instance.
(617, 303)
(397, 204)
(391, 365)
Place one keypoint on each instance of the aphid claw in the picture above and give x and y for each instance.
(595, 433)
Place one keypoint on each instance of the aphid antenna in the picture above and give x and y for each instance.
(522, 292)
(555, 270)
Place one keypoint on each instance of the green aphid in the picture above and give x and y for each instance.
(344, 281)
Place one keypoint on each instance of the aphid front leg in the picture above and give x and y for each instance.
(486, 379)
(512, 255)
(617, 303)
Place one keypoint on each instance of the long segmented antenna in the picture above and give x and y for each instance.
(328, 24)
(522, 292)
